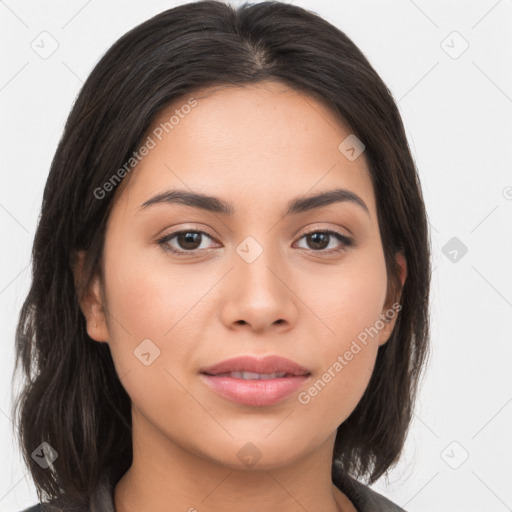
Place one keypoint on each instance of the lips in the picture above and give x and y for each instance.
(253, 375)
(255, 382)
(251, 365)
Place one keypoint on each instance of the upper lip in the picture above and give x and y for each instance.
(268, 364)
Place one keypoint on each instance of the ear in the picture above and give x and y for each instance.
(392, 306)
(91, 301)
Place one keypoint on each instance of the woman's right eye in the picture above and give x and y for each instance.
(187, 239)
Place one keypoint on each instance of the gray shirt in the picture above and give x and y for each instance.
(363, 498)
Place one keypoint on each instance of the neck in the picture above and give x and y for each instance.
(166, 476)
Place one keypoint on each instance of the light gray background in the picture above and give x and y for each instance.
(457, 109)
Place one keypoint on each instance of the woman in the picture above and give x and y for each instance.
(229, 306)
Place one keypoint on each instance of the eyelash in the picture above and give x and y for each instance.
(345, 241)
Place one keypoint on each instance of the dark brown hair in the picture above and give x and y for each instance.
(72, 397)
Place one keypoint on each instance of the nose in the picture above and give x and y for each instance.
(259, 295)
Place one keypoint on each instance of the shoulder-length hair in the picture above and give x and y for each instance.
(72, 397)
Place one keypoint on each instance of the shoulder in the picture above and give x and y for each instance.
(101, 499)
(58, 504)
(54, 506)
(363, 497)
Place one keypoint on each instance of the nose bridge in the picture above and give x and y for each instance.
(258, 267)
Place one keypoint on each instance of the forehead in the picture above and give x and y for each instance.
(265, 141)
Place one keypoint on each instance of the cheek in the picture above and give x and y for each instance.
(338, 385)
(349, 300)
(349, 306)
(146, 296)
(146, 306)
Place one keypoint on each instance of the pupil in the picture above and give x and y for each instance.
(316, 236)
(185, 239)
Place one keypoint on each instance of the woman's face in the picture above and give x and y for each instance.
(254, 282)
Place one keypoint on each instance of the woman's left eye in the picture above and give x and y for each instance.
(319, 238)
(189, 240)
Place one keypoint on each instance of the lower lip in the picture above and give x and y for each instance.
(255, 392)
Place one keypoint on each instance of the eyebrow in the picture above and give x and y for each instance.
(216, 205)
